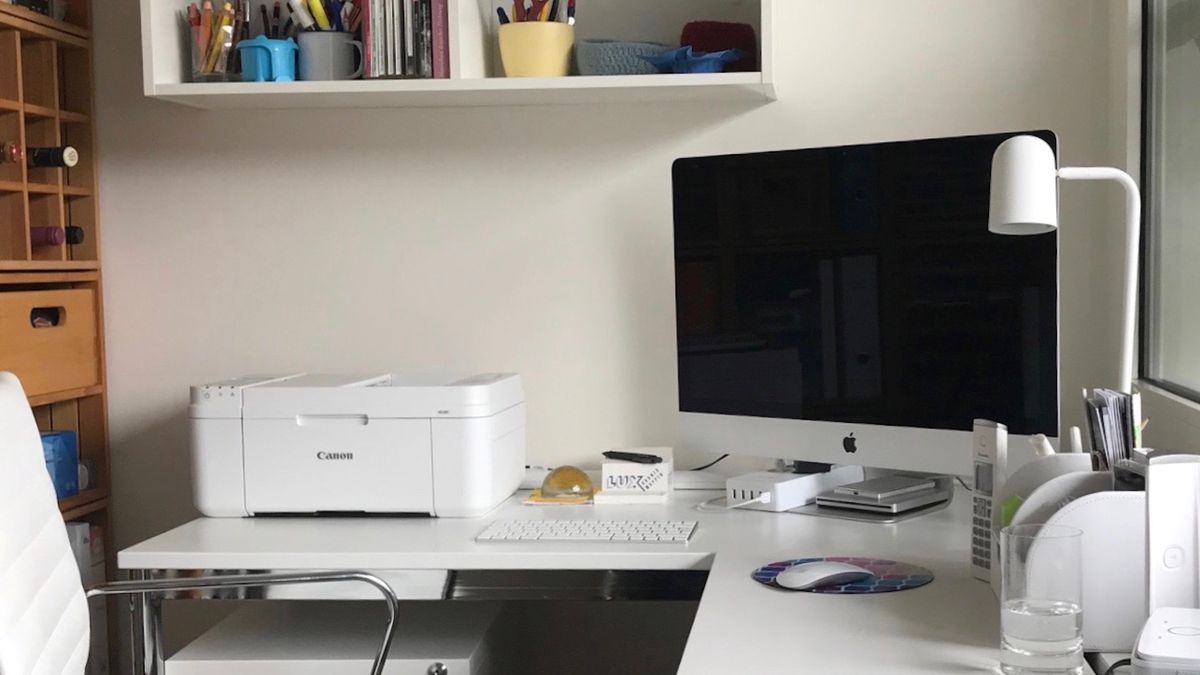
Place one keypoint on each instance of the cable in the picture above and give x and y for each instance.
(709, 505)
(962, 482)
(711, 464)
(1113, 668)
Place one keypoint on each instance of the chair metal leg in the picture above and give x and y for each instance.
(150, 593)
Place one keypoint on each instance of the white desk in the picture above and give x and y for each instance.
(949, 626)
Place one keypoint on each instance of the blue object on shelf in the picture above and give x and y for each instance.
(687, 60)
(267, 60)
(60, 449)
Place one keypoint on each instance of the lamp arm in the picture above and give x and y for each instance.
(1133, 235)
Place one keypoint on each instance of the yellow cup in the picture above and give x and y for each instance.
(536, 48)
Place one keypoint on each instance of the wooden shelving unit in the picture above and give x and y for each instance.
(476, 77)
(46, 96)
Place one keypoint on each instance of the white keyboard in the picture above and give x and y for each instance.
(586, 531)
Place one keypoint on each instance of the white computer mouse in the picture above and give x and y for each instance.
(806, 576)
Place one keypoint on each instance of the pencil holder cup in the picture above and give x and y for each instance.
(266, 60)
(536, 48)
(216, 60)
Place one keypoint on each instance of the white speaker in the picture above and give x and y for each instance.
(1172, 529)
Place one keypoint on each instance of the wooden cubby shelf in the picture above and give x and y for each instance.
(95, 498)
(51, 301)
(46, 101)
(65, 395)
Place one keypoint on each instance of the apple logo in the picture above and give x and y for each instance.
(850, 444)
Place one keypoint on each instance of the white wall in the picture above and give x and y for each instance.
(531, 239)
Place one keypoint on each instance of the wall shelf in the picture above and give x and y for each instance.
(478, 92)
(476, 76)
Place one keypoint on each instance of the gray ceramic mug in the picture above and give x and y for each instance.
(329, 55)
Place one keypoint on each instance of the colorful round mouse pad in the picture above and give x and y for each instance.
(889, 576)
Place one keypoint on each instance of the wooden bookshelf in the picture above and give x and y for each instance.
(46, 97)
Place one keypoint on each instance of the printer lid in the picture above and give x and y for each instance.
(1170, 640)
(383, 396)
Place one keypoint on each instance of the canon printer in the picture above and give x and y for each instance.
(345, 444)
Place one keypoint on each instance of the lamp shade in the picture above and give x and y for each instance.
(1024, 187)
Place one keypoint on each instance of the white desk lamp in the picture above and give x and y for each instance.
(1025, 201)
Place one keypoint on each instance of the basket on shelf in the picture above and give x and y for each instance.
(616, 57)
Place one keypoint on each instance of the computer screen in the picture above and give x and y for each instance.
(859, 285)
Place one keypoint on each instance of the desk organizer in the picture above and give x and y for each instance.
(1114, 543)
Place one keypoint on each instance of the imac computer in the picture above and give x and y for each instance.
(848, 305)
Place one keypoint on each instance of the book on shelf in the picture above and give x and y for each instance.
(406, 39)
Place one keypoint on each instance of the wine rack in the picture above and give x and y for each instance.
(46, 101)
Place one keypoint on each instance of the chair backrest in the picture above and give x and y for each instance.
(43, 613)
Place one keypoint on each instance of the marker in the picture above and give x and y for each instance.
(303, 16)
(318, 13)
(503, 15)
(554, 11)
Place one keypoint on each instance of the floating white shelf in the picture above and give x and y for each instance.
(477, 92)
(474, 64)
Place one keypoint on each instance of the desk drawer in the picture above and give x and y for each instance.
(60, 356)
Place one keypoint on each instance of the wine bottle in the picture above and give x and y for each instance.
(75, 235)
(47, 236)
(11, 153)
(52, 158)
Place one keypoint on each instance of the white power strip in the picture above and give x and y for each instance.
(788, 490)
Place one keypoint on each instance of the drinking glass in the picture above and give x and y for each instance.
(1041, 614)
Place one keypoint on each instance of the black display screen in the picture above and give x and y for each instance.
(861, 284)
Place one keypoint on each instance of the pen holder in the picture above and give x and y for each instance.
(267, 60)
(214, 61)
(536, 48)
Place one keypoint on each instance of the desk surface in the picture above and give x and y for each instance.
(949, 626)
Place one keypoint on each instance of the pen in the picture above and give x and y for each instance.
(275, 20)
(518, 13)
(335, 11)
(246, 19)
(637, 457)
(503, 16)
(571, 12)
(554, 11)
(266, 20)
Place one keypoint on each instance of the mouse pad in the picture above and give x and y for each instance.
(889, 576)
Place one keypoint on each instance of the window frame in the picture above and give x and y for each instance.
(1179, 396)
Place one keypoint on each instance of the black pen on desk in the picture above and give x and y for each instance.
(503, 15)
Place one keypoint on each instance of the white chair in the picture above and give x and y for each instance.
(43, 607)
